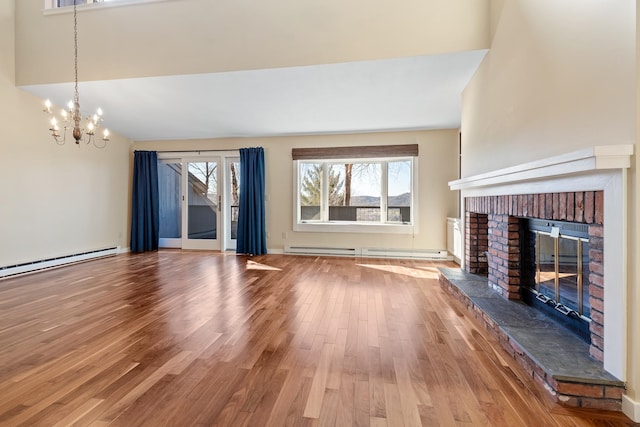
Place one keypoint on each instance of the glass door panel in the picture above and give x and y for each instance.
(568, 272)
(202, 207)
(233, 201)
(585, 308)
(170, 203)
(546, 269)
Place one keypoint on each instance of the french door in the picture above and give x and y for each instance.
(201, 208)
(197, 202)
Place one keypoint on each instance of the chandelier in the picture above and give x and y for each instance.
(71, 117)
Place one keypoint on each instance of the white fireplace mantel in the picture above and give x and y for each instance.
(577, 163)
(591, 169)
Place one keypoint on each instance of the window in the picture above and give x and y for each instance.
(63, 3)
(49, 4)
(64, 6)
(354, 194)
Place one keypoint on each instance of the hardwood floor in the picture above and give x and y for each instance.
(204, 339)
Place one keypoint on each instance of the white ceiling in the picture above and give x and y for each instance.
(394, 94)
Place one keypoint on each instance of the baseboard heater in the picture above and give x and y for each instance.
(318, 250)
(426, 254)
(27, 267)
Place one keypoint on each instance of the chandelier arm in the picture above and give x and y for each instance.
(103, 145)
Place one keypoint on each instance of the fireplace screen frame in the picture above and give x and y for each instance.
(553, 304)
(579, 305)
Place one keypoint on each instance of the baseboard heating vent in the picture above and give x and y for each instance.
(28, 267)
(316, 250)
(426, 254)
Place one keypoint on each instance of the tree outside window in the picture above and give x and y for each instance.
(355, 191)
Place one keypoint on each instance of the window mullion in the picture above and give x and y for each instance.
(384, 189)
(324, 202)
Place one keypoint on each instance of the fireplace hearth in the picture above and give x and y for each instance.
(559, 362)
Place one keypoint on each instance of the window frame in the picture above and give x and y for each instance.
(51, 6)
(324, 225)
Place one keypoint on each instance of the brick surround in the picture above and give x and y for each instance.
(493, 243)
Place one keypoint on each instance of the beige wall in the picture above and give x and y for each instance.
(633, 264)
(560, 75)
(203, 36)
(56, 200)
(495, 12)
(437, 166)
(557, 78)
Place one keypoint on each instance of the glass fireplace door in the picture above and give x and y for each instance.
(562, 272)
(546, 265)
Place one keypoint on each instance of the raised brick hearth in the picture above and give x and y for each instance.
(560, 363)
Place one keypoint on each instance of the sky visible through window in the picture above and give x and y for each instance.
(366, 177)
(366, 181)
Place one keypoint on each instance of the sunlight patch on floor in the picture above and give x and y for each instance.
(406, 271)
(431, 269)
(252, 265)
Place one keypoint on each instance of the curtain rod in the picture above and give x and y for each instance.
(171, 154)
(194, 151)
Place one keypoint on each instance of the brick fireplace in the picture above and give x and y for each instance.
(587, 190)
(493, 243)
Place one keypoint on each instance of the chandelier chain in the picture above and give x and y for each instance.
(75, 40)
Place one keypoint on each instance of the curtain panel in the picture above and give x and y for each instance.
(252, 235)
(145, 218)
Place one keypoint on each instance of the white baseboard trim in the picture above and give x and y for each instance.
(275, 251)
(123, 250)
(37, 265)
(631, 408)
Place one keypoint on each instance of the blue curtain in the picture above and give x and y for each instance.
(252, 234)
(145, 217)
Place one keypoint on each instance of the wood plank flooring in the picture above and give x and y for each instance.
(182, 338)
